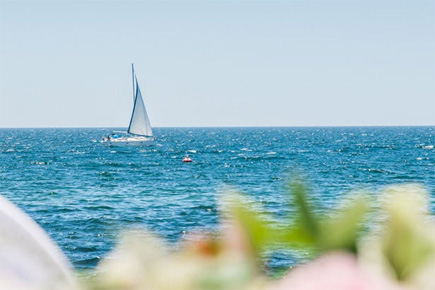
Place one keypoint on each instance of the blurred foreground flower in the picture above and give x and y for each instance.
(403, 249)
(142, 261)
(334, 271)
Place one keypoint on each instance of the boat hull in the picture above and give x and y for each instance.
(130, 141)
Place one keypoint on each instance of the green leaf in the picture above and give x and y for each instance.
(342, 230)
(307, 221)
(261, 230)
(325, 232)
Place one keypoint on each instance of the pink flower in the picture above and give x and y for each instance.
(333, 271)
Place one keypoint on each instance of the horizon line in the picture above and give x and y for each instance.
(223, 127)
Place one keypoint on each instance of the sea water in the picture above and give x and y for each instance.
(84, 193)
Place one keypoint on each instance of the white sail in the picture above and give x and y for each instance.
(139, 122)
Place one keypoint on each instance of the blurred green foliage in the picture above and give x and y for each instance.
(401, 249)
(308, 230)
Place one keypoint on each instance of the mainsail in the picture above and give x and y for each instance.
(139, 122)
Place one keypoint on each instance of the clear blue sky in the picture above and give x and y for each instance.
(218, 63)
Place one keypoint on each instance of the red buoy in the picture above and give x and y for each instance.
(187, 159)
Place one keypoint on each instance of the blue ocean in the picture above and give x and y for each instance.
(84, 193)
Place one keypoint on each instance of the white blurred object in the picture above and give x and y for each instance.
(29, 259)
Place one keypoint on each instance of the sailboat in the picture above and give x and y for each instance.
(139, 130)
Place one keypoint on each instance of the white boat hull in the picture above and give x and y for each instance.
(130, 141)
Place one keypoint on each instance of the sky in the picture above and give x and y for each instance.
(218, 63)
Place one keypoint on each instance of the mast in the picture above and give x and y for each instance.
(132, 78)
